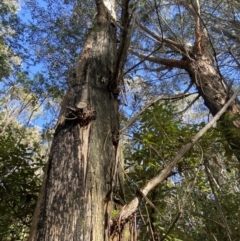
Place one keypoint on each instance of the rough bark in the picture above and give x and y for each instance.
(204, 73)
(215, 92)
(79, 176)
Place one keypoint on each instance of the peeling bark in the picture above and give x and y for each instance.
(79, 174)
(204, 73)
(215, 92)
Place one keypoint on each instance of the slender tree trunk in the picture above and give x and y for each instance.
(74, 199)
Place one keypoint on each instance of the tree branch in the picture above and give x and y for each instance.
(170, 43)
(218, 205)
(172, 225)
(134, 118)
(171, 63)
(226, 32)
(188, 106)
(128, 24)
(130, 208)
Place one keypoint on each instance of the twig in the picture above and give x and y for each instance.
(218, 205)
(150, 223)
(144, 59)
(185, 109)
(172, 225)
(134, 118)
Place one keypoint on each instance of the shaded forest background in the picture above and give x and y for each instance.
(162, 106)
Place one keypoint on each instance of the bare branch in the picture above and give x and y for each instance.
(140, 62)
(170, 43)
(171, 63)
(134, 118)
(188, 106)
(150, 223)
(218, 205)
(201, 36)
(194, 9)
(172, 225)
(229, 48)
(224, 31)
(128, 25)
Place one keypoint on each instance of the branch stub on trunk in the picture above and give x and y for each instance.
(81, 105)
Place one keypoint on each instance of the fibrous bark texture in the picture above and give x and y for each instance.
(79, 175)
(212, 87)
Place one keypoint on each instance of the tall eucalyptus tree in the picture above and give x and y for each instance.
(76, 198)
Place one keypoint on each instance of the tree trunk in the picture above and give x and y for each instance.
(200, 64)
(79, 178)
(204, 73)
(215, 92)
